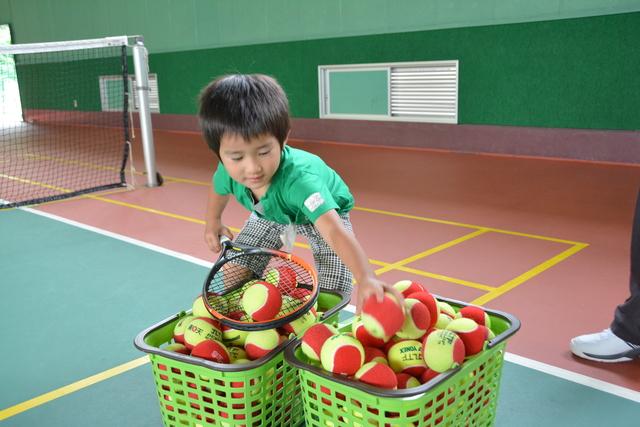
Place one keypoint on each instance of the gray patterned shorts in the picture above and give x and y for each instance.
(332, 273)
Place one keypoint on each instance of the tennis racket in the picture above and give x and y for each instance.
(239, 268)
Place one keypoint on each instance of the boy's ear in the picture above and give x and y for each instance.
(286, 139)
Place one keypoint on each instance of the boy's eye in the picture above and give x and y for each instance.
(236, 159)
(264, 153)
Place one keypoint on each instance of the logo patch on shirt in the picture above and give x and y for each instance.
(314, 201)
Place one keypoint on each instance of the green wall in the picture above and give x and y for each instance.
(567, 73)
(174, 25)
(576, 73)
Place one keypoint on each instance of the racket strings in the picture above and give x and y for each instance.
(238, 273)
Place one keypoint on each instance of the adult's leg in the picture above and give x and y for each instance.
(621, 341)
(626, 323)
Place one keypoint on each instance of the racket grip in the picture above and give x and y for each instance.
(224, 239)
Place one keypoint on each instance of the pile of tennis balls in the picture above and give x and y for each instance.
(392, 348)
(200, 335)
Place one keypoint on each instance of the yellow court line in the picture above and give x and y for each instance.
(528, 274)
(436, 276)
(30, 182)
(71, 388)
(460, 224)
(72, 162)
(430, 251)
(448, 279)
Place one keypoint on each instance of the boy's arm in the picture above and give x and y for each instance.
(213, 220)
(347, 247)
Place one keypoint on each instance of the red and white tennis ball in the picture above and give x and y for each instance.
(373, 354)
(416, 321)
(447, 314)
(233, 336)
(430, 302)
(473, 336)
(200, 329)
(177, 347)
(211, 350)
(358, 330)
(428, 375)
(406, 356)
(199, 309)
(260, 343)
(382, 319)
(477, 314)
(181, 325)
(378, 375)
(407, 287)
(284, 277)
(237, 353)
(406, 381)
(342, 354)
(443, 350)
(261, 301)
(301, 324)
(314, 338)
(301, 293)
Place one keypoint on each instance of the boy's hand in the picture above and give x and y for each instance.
(212, 232)
(372, 286)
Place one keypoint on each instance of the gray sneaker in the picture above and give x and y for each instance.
(605, 347)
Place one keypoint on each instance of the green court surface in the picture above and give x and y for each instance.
(75, 299)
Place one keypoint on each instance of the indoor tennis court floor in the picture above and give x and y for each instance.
(547, 241)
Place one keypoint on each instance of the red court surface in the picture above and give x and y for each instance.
(550, 240)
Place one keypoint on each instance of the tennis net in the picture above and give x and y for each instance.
(63, 119)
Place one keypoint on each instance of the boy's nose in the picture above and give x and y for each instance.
(254, 166)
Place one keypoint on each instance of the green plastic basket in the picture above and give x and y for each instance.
(196, 392)
(465, 396)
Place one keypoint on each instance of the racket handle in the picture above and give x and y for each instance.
(224, 239)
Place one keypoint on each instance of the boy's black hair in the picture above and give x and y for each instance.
(248, 105)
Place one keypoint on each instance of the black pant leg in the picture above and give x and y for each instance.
(626, 323)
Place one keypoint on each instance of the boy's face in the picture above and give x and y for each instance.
(252, 163)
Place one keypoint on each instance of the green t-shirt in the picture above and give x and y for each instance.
(302, 189)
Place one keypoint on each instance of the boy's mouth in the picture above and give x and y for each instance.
(255, 179)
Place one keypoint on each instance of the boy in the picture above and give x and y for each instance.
(245, 121)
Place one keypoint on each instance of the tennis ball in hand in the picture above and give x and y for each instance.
(382, 319)
(260, 343)
(200, 329)
(406, 356)
(342, 354)
(473, 336)
(443, 350)
(314, 338)
(476, 313)
(284, 277)
(261, 301)
(378, 375)
(211, 350)
(417, 319)
(181, 325)
(407, 287)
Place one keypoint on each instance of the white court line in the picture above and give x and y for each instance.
(623, 392)
(117, 236)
